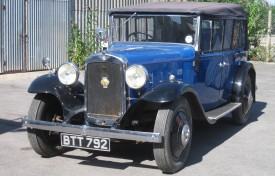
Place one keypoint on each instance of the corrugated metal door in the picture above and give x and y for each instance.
(47, 32)
(31, 30)
(1, 37)
(13, 11)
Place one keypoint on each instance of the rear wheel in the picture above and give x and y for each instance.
(240, 115)
(45, 108)
(174, 123)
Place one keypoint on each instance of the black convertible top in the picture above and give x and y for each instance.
(198, 8)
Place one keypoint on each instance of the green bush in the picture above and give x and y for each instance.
(81, 45)
(76, 47)
(258, 54)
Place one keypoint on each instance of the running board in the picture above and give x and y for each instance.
(222, 111)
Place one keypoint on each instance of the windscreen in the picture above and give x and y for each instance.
(154, 28)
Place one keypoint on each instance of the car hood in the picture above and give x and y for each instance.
(145, 52)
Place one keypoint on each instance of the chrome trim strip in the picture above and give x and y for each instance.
(93, 131)
(198, 34)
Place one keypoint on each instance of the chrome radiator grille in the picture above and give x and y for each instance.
(104, 89)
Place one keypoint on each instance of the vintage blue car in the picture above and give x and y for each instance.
(166, 65)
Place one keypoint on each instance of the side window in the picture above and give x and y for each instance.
(206, 35)
(242, 34)
(228, 34)
(236, 34)
(211, 35)
(217, 35)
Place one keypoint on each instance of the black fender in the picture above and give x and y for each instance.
(169, 92)
(245, 68)
(70, 97)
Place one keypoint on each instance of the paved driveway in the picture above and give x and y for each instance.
(217, 150)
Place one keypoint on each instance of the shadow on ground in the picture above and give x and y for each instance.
(10, 125)
(205, 138)
(132, 155)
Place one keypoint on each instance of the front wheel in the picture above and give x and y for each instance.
(45, 108)
(174, 123)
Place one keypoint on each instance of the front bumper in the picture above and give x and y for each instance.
(92, 131)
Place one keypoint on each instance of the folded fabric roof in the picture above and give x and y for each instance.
(198, 8)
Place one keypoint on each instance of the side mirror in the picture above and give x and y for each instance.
(102, 38)
(101, 33)
(46, 62)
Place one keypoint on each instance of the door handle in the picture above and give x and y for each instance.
(220, 65)
(225, 64)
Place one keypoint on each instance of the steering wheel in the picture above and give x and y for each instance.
(135, 34)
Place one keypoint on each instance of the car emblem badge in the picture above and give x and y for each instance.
(105, 82)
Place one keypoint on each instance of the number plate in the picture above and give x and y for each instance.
(85, 142)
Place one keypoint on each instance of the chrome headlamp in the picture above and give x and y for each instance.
(68, 73)
(136, 76)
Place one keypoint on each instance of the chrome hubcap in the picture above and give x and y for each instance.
(185, 135)
(248, 98)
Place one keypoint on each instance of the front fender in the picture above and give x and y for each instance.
(70, 97)
(167, 92)
(44, 84)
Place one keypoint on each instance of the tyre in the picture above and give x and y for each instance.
(174, 123)
(241, 114)
(45, 108)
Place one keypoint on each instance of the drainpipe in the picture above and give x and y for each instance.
(25, 37)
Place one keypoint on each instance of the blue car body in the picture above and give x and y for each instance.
(213, 84)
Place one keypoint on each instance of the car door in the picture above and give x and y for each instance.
(233, 51)
(208, 79)
(209, 75)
